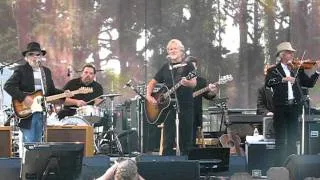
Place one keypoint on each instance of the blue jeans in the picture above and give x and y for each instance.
(34, 134)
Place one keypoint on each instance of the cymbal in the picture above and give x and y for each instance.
(110, 95)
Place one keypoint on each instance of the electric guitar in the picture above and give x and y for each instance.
(222, 80)
(23, 111)
(154, 111)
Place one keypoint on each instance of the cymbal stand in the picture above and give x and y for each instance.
(110, 137)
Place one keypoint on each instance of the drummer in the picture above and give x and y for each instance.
(87, 79)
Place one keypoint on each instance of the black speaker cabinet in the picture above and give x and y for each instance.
(129, 141)
(260, 156)
(302, 166)
(6, 142)
(82, 134)
(169, 170)
(313, 138)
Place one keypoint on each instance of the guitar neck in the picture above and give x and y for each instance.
(201, 91)
(59, 96)
(174, 88)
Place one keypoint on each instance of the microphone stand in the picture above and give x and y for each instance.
(303, 115)
(44, 102)
(177, 108)
(140, 115)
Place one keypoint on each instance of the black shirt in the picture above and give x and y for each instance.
(75, 84)
(179, 70)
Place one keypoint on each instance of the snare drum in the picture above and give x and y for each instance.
(90, 113)
(75, 121)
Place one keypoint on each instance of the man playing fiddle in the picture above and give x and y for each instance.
(287, 99)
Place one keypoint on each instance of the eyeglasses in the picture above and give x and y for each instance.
(34, 54)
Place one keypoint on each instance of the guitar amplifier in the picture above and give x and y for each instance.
(82, 134)
(6, 142)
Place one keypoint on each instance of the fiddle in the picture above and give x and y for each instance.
(302, 64)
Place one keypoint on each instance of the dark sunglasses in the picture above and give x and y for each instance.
(34, 54)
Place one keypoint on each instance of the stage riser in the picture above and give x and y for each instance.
(94, 167)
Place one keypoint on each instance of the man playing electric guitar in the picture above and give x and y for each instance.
(179, 69)
(201, 83)
(27, 78)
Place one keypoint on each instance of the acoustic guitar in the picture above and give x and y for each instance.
(231, 140)
(154, 111)
(23, 111)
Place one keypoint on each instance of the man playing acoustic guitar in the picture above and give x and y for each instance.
(180, 70)
(27, 79)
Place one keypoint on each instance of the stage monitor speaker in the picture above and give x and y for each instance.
(211, 159)
(268, 130)
(82, 134)
(169, 170)
(6, 142)
(129, 141)
(303, 166)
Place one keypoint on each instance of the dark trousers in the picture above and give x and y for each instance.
(286, 131)
(185, 130)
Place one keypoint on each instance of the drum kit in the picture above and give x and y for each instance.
(106, 140)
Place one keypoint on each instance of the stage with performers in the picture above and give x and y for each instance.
(219, 154)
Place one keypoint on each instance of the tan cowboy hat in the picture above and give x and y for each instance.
(284, 46)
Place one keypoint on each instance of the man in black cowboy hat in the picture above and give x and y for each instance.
(25, 79)
(287, 99)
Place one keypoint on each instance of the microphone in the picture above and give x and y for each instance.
(128, 84)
